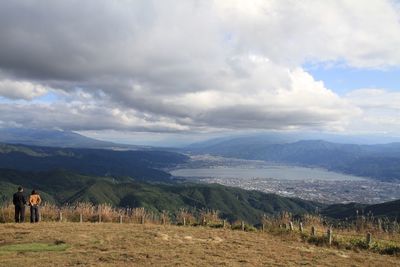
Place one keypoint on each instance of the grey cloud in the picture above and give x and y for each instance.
(179, 65)
(20, 89)
(249, 117)
(79, 41)
(77, 117)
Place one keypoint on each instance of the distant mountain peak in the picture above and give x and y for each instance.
(55, 138)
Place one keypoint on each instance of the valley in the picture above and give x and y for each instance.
(314, 184)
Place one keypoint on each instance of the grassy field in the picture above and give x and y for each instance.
(111, 244)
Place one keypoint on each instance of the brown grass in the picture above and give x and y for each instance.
(113, 244)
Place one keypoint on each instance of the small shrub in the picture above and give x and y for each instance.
(216, 225)
(209, 216)
(359, 243)
(247, 227)
(185, 215)
(317, 240)
(391, 250)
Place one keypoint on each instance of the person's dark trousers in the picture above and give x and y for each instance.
(19, 214)
(34, 214)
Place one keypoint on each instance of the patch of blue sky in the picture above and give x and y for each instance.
(4, 100)
(343, 79)
(49, 97)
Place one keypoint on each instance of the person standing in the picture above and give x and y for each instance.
(34, 202)
(19, 202)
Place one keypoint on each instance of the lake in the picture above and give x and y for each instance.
(280, 172)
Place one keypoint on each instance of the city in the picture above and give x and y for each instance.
(328, 191)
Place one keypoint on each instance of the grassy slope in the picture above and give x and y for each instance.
(139, 245)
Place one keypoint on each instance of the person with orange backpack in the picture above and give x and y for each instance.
(34, 202)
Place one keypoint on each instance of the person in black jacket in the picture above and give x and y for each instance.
(19, 202)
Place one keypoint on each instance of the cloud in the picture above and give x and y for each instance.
(380, 110)
(21, 89)
(374, 98)
(171, 66)
(80, 117)
(350, 32)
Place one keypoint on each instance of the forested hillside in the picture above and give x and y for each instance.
(141, 165)
(64, 187)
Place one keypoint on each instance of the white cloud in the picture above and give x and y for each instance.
(183, 65)
(381, 110)
(374, 98)
(360, 33)
(21, 89)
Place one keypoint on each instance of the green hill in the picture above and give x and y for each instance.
(388, 209)
(8, 189)
(141, 165)
(233, 203)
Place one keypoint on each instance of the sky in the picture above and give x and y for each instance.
(144, 71)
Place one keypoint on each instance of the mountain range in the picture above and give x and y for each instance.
(140, 165)
(57, 138)
(139, 178)
(381, 161)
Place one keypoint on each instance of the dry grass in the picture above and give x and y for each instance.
(88, 211)
(111, 244)
(350, 234)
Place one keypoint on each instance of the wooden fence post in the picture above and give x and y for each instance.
(223, 224)
(120, 218)
(313, 231)
(369, 239)
(385, 227)
(184, 221)
(263, 227)
(99, 209)
(329, 233)
(242, 225)
(80, 218)
(291, 226)
(301, 227)
(60, 217)
(395, 227)
(142, 219)
(3, 216)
